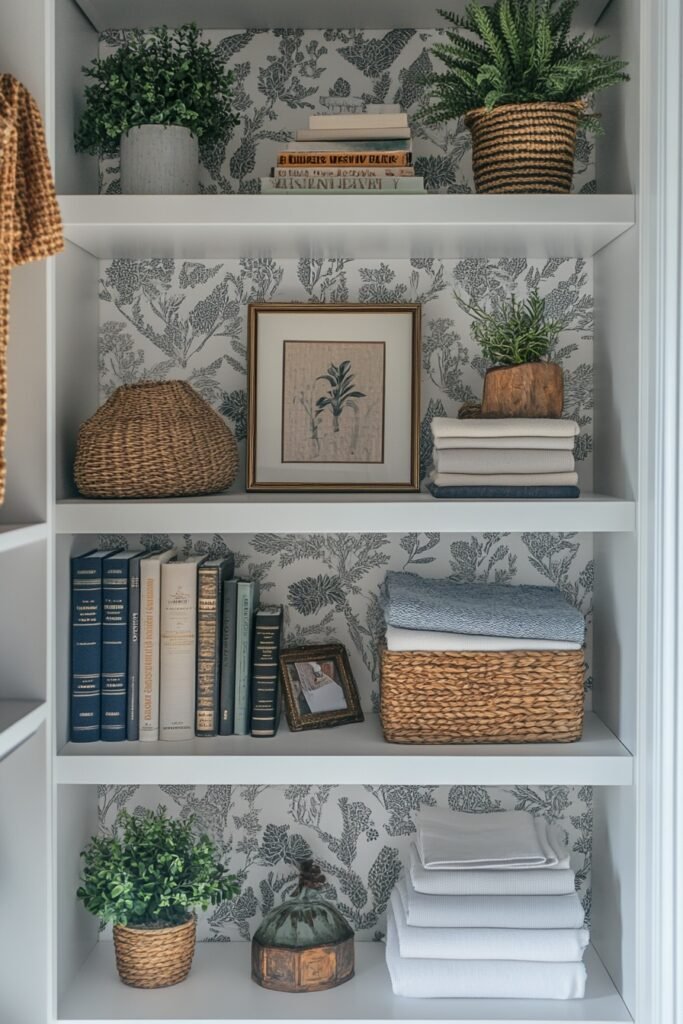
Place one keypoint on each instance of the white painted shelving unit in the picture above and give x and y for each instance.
(52, 968)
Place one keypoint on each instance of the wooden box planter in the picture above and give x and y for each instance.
(533, 390)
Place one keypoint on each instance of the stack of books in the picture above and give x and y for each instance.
(169, 649)
(370, 152)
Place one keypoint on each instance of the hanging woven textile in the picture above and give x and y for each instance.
(30, 224)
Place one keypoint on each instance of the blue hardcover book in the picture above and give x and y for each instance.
(115, 576)
(86, 645)
(133, 684)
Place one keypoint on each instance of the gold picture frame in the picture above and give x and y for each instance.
(379, 445)
(318, 687)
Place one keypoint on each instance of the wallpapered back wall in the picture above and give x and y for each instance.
(282, 76)
(161, 319)
(358, 834)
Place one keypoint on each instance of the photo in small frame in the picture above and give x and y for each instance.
(318, 687)
(333, 397)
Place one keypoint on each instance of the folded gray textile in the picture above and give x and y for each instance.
(504, 479)
(555, 881)
(532, 442)
(514, 426)
(461, 841)
(510, 460)
(488, 492)
(488, 609)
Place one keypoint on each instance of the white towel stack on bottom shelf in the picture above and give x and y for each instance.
(487, 909)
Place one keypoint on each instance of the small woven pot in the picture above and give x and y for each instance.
(524, 147)
(155, 957)
(155, 440)
(482, 696)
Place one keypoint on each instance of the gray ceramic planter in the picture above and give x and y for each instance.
(159, 159)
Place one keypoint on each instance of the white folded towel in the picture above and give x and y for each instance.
(512, 460)
(565, 444)
(445, 426)
(553, 945)
(480, 979)
(550, 881)
(505, 479)
(498, 839)
(432, 640)
(424, 911)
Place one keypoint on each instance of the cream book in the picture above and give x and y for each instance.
(350, 134)
(323, 122)
(150, 603)
(178, 648)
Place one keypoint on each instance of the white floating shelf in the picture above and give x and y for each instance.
(12, 537)
(19, 719)
(269, 14)
(360, 227)
(219, 988)
(342, 513)
(349, 755)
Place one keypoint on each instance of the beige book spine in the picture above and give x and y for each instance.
(150, 598)
(178, 650)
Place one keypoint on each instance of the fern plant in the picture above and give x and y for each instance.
(517, 51)
(516, 332)
(157, 77)
(152, 872)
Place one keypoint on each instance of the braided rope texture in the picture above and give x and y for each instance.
(482, 696)
(524, 147)
(155, 957)
(30, 222)
(155, 440)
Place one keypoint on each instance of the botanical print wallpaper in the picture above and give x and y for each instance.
(162, 318)
(360, 835)
(329, 584)
(283, 75)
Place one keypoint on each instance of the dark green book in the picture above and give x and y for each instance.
(211, 577)
(265, 686)
(226, 725)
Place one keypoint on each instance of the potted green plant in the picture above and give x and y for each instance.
(517, 338)
(146, 880)
(155, 100)
(520, 79)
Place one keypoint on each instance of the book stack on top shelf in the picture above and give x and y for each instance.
(369, 152)
(169, 649)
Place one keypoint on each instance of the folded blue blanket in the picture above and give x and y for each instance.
(491, 491)
(481, 609)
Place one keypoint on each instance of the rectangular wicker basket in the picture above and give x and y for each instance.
(482, 696)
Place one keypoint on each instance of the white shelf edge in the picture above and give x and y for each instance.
(12, 537)
(220, 981)
(446, 226)
(19, 719)
(297, 513)
(349, 755)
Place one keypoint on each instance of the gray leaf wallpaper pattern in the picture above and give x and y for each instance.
(284, 75)
(360, 835)
(329, 584)
(162, 318)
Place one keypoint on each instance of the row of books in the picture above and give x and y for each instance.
(169, 649)
(369, 152)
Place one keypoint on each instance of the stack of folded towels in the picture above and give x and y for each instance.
(442, 615)
(487, 909)
(504, 458)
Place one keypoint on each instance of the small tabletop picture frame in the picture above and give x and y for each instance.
(333, 397)
(318, 687)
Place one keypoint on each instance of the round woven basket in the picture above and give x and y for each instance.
(155, 440)
(155, 957)
(482, 696)
(524, 147)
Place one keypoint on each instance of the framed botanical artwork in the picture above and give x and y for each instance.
(334, 397)
(318, 688)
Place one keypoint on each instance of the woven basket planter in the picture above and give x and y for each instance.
(482, 696)
(155, 440)
(524, 147)
(155, 957)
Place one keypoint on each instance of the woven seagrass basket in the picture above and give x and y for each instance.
(155, 957)
(524, 147)
(482, 696)
(155, 440)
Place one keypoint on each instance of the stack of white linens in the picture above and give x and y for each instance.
(504, 458)
(487, 909)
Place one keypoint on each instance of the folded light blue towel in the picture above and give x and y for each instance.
(484, 609)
